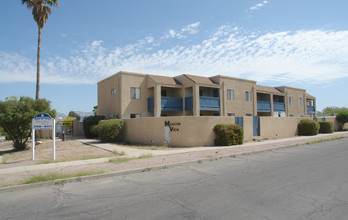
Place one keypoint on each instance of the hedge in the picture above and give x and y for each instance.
(342, 118)
(88, 122)
(228, 134)
(307, 127)
(326, 127)
(110, 130)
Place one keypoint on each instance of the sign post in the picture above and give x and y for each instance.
(43, 121)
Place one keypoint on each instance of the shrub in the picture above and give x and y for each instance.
(342, 118)
(88, 122)
(94, 130)
(308, 127)
(110, 130)
(326, 127)
(228, 134)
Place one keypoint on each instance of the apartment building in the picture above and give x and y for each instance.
(133, 95)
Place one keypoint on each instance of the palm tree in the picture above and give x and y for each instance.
(40, 12)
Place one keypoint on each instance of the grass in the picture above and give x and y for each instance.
(7, 185)
(145, 156)
(122, 160)
(127, 159)
(67, 160)
(54, 176)
(115, 152)
(5, 158)
(323, 140)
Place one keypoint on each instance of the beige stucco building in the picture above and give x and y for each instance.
(133, 95)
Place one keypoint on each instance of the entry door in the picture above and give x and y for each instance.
(256, 125)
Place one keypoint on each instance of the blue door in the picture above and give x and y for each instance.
(238, 121)
(256, 125)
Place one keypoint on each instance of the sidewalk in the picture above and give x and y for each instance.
(162, 158)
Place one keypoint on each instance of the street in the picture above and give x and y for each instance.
(304, 182)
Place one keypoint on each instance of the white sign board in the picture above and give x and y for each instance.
(43, 121)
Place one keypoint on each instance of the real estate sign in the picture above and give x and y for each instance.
(43, 121)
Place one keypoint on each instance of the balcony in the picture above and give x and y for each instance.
(167, 104)
(310, 110)
(263, 106)
(209, 103)
(206, 103)
(279, 106)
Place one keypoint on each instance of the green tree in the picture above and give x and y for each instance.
(332, 111)
(68, 122)
(40, 12)
(95, 110)
(342, 118)
(16, 115)
(74, 115)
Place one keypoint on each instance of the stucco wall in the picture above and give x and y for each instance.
(198, 131)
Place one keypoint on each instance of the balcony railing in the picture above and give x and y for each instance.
(167, 104)
(209, 103)
(279, 106)
(263, 106)
(310, 110)
(189, 103)
(205, 103)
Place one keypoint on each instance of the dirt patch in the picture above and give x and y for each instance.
(65, 151)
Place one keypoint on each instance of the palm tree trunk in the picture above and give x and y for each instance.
(38, 65)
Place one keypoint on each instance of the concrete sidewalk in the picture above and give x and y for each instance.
(173, 155)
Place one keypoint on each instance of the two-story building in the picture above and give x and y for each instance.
(132, 95)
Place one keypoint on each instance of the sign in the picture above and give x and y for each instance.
(42, 121)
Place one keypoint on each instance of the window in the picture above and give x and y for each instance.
(230, 114)
(248, 96)
(248, 114)
(164, 93)
(113, 91)
(230, 94)
(135, 115)
(291, 101)
(301, 101)
(134, 93)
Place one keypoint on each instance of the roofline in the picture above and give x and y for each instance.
(234, 78)
(288, 87)
(124, 72)
(167, 85)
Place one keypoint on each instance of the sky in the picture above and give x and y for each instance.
(296, 43)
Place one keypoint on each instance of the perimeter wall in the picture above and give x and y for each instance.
(189, 131)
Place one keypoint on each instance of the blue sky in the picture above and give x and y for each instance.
(296, 43)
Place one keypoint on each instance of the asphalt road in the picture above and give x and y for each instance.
(305, 182)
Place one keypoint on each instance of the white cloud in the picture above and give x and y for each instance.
(182, 33)
(259, 5)
(313, 56)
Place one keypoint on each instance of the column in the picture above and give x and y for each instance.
(157, 101)
(196, 107)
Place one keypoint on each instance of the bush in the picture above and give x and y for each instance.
(342, 118)
(308, 127)
(88, 122)
(110, 130)
(94, 130)
(326, 127)
(228, 134)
